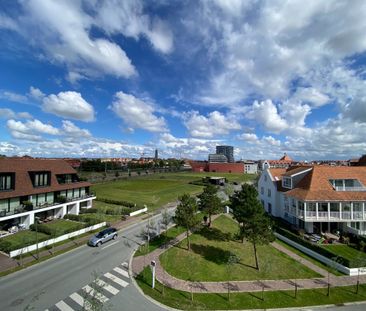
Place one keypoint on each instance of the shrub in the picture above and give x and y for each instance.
(91, 210)
(72, 217)
(117, 202)
(61, 199)
(41, 228)
(28, 205)
(5, 246)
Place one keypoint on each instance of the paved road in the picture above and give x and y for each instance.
(59, 281)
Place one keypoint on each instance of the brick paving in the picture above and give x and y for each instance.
(138, 264)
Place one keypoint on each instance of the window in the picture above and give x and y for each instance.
(287, 182)
(41, 179)
(262, 190)
(6, 181)
(269, 192)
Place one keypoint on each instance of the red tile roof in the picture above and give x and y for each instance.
(315, 186)
(23, 184)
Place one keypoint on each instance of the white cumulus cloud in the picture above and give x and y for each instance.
(137, 113)
(69, 105)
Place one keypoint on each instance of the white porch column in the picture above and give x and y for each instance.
(363, 210)
(328, 211)
(64, 210)
(340, 210)
(316, 210)
(297, 208)
(351, 210)
(304, 211)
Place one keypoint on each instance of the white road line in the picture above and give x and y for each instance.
(111, 244)
(63, 306)
(115, 279)
(77, 298)
(125, 264)
(106, 286)
(94, 293)
(121, 271)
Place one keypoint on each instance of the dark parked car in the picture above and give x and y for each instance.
(103, 236)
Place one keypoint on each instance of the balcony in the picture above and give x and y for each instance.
(341, 188)
(331, 216)
(23, 209)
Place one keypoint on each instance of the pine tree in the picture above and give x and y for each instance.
(254, 224)
(209, 202)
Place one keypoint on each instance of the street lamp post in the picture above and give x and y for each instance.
(153, 265)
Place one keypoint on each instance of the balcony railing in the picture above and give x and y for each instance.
(341, 188)
(22, 209)
(332, 215)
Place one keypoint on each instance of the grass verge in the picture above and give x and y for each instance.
(252, 300)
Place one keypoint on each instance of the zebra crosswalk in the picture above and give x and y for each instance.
(99, 291)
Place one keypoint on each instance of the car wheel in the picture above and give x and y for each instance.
(115, 237)
(99, 244)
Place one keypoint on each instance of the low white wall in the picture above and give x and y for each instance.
(55, 240)
(321, 258)
(139, 212)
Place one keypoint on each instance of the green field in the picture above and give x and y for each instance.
(274, 299)
(211, 249)
(158, 189)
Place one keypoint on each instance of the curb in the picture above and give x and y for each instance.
(159, 304)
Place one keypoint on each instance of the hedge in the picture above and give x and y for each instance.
(48, 230)
(116, 202)
(91, 210)
(90, 221)
(314, 247)
(7, 247)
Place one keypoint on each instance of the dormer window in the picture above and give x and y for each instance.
(7, 181)
(287, 182)
(40, 179)
(67, 178)
(347, 185)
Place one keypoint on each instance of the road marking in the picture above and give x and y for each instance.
(77, 298)
(63, 306)
(121, 271)
(109, 245)
(95, 294)
(115, 279)
(125, 264)
(107, 287)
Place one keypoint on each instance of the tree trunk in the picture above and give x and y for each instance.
(209, 219)
(255, 256)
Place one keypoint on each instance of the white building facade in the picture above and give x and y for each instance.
(317, 198)
(35, 188)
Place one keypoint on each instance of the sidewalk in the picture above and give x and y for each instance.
(162, 276)
(7, 263)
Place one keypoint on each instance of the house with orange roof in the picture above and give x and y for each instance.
(317, 198)
(283, 162)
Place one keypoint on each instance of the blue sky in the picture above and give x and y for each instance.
(121, 78)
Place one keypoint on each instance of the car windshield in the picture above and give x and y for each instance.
(100, 235)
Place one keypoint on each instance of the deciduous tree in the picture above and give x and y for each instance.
(185, 215)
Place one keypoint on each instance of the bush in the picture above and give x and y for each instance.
(61, 199)
(314, 247)
(28, 205)
(116, 202)
(91, 210)
(5, 246)
(72, 217)
(41, 228)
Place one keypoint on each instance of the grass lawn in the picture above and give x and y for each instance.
(158, 189)
(311, 259)
(347, 252)
(101, 217)
(22, 239)
(211, 249)
(159, 240)
(63, 226)
(276, 299)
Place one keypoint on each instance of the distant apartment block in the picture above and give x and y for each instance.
(228, 151)
(41, 188)
(317, 198)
